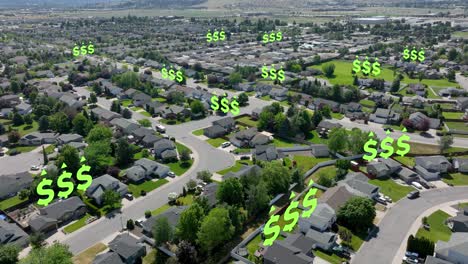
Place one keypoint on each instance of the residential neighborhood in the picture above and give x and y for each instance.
(286, 179)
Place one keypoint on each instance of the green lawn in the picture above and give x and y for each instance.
(253, 245)
(87, 256)
(332, 258)
(178, 168)
(160, 209)
(50, 149)
(198, 132)
(408, 161)
(26, 129)
(147, 186)
(314, 137)
(145, 113)
(136, 108)
(457, 125)
(266, 98)
(456, 179)
(246, 120)
(329, 171)
(367, 103)
(10, 202)
(356, 239)
(463, 34)
(180, 147)
(186, 200)
(438, 229)
(338, 116)
(126, 102)
(235, 168)
(22, 149)
(215, 142)
(76, 225)
(391, 188)
(307, 162)
(139, 155)
(242, 150)
(452, 115)
(159, 99)
(283, 143)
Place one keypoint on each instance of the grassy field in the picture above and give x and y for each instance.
(452, 115)
(146, 186)
(10, 202)
(391, 188)
(456, 179)
(198, 132)
(160, 209)
(87, 256)
(215, 142)
(178, 168)
(266, 98)
(438, 229)
(342, 75)
(235, 168)
(307, 162)
(246, 120)
(76, 225)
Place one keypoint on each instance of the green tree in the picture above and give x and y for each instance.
(59, 122)
(14, 136)
(128, 80)
(197, 107)
(452, 54)
(44, 156)
(111, 199)
(17, 119)
(395, 85)
(243, 99)
(324, 180)
(55, 254)
(9, 254)
(123, 152)
(356, 140)
(298, 177)
(43, 123)
(216, 228)
(130, 224)
(337, 139)
(189, 223)
(145, 122)
(92, 98)
(115, 106)
(162, 231)
(317, 117)
(328, 69)
(357, 213)
(70, 156)
(28, 119)
(445, 142)
(230, 192)
(2, 129)
(277, 177)
(186, 253)
(257, 199)
(98, 156)
(235, 78)
(204, 176)
(99, 133)
(36, 240)
(82, 125)
(451, 75)
(127, 114)
(185, 156)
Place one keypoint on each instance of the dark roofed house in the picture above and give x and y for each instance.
(146, 169)
(140, 99)
(319, 102)
(322, 240)
(10, 233)
(434, 260)
(322, 219)
(455, 250)
(104, 114)
(124, 125)
(10, 100)
(149, 140)
(172, 214)
(326, 125)
(37, 138)
(174, 112)
(378, 169)
(141, 132)
(385, 116)
(407, 175)
(228, 123)
(108, 258)
(320, 150)
(461, 164)
(165, 149)
(249, 138)
(430, 167)
(282, 252)
(129, 249)
(101, 184)
(220, 127)
(459, 223)
(245, 170)
(68, 138)
(23, 108)
(209, 191)
(335, 197)
(11, 184)
(267, 153)
(462, 103)
(392, 164)
(418, 117)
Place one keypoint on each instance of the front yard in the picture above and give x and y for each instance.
(248, 121)
(76, 225)
(314, 137)
(22, 149)
(391, 188)
(456, 179)
(198, 132)
(215, 142)
(178, 167)
(146, 186)
(438, 230)
(236, 167)
(87, 256)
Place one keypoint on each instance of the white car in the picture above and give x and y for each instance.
(160, 128)
(34, 167)
(417, 185)
(226, 144)
(139, 222)
(171, 174)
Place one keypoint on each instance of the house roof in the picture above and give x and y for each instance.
(321, 217)
(209, 191)
(434, 260)
(108, 258)
(335, 197)
(70, 137)
(378, 166)
(328, 125)
(428, 161)
(358, 182)
(281, 252)
(267, 152)
(14, 183)
(245, 170)
(392, 164)
(172, 215)
(142, 131)
(125, 245)
(39, 222)
(321, 237)
(104, 113)
(224, 122)
(163, 144)
(11, 233)
(124, 124)
(458, 244)
(102, 183)
(59, 208)
(216, 129)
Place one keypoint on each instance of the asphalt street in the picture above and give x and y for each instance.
(21, 162)
(397, 222)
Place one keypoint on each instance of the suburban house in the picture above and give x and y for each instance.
(245, 170)
(140, 99)
(462, 103)
(392, 165)
(10, 233)
(321, 220)
(461, 165)
(335, 197)
(146, 169)
(284, 251)
(459, 223)
(249, 138)
(430, 167)
(172, 214)
(10, 100)
(68, 138)
(37, 138)
(407, 175)
(104, 114)
(209, 192)
(357, 184)
(11, 184)
(320, 150)
(324, 127)
(123, 125)
(220, 127)
(385, 116)
(319, 103)
(174, 112)
(267, 153)
(279, 94)
(418, 117)
(103, 183)
(165, 149)
(23, 108)
(417, 88)
(455, 250)
(72, 101)
(123, 249)
(57, 213)
(322, 240)
(415, 101)
(378, 169)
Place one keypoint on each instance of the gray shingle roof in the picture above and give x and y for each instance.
(11, 233)
(126, 246)
(13, 183)
(58, 209)
(108, 258)
(172, 215)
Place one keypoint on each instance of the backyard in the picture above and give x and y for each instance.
(307, 162)
(391, 188)
(146, 186)
(438, 229)
(10, 202)
(248, 121)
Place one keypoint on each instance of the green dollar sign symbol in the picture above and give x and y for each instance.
(376, 68)
(214, 102)
(264, 71)
(406, 53)
(369, 147)
(225, 105)
(357, 65)
(384, 145)
(269, 229)
(208, 36)
(265, 38)
(309, 200)
(294, 216)
(42, 191)
(65, 184)
(366, 67)
(421, 55)
(235, 107)
(90, 48)
(164, 72)
(76, 50)
(414, 54)
(281, 74)
(87, 178)
(406, 147)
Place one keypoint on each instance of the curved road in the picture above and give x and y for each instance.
(394, 227)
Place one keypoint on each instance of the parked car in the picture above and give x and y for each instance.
(34, 167)
(381, 200)
(410, 260)
(14, 152)
(388, 199)
(425, 184)
(171, 174)
(413, 195)
(139, 222)
(417, 185)
(160, 128)
(2, 154)
(226, 144)
(128, 196)
(411, 254)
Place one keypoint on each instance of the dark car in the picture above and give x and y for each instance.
(425, 184)
(413, 195)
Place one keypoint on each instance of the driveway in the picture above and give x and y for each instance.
(397, 222)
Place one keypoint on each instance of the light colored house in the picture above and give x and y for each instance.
(455, 250)
(37, 138)
(378, 169)
(357, 184)
(103, 183)
(321, 220)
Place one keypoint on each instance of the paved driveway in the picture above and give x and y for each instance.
(398, 221)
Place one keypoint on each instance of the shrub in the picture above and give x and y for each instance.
(143, 193)
(130, 224)
(147, 213)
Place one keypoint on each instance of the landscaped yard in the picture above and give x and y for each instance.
(456, 179)
(198, 132)
(87, 256)
(26, 129)
(10, 202)
(22, 149)
(457, 125)
(314, 137)
(178, 167)
(186, 200)
(367, 103)
(236, 167)
(76, 225)
(180, 147)
(391, 188)
(408, 161)
(160, 209)
(284, 143)
(266, 98)
(452, 115)
(253, 245)
(248, 121)
(307, 162)
(438, 229)
(146, 186)
(338, 116)
(329, 171)
(356, 239)
(126, 102)
(215, 142)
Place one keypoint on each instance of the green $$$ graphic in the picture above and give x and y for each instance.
(83, 50)
(370, 147)
(414, 54)
(216, 36)
(366, 67)
(271, 230)
(273, 73)
(172, 74)
(64, 183)
(225, 105)
(272, 37)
